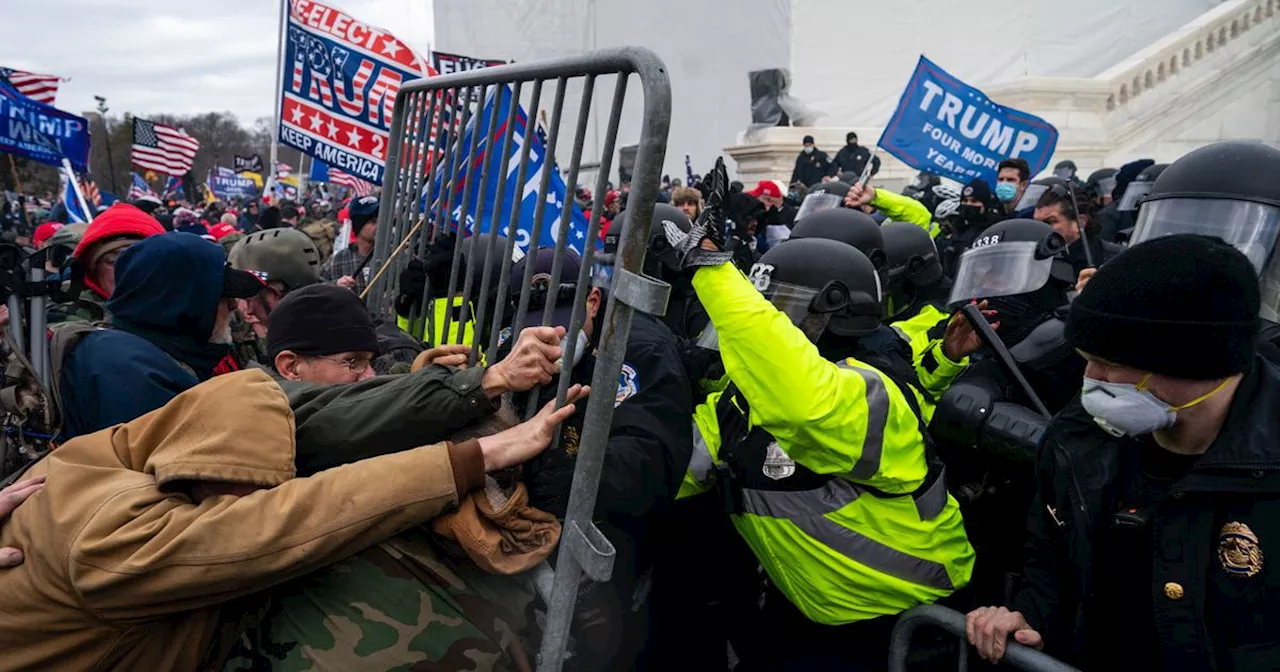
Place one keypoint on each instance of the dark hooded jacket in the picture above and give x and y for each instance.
(163, 312)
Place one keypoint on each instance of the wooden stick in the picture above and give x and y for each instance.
(391, 257)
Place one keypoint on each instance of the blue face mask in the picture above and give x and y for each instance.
(1006, 192)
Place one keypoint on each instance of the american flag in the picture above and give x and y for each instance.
(161, 148)
(41, 88)
(355, 184)
(140, 189)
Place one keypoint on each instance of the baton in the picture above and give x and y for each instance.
(993, 341)
(866, 170)
(1084, 238)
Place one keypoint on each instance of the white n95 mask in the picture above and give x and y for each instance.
(1124, 409)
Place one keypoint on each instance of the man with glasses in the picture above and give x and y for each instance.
(322, 334)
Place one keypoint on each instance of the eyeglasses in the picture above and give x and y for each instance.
(355, 364)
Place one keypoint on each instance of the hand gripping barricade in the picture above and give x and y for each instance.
(435, 149)
(1016, 655)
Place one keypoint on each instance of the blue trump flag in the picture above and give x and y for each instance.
(319, 171)
(41, 132)
(949, 128)
(77, 212)
(225, 184)
(480, 216)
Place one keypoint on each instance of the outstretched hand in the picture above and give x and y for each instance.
(691, 248)
(529, 438)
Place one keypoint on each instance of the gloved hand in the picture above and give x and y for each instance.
(709, 226)
(413, 284)
(437, 261)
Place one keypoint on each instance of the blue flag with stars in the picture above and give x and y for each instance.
(949, 128)
(480, 216)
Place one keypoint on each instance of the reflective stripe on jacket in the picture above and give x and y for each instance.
(458, 334)
(839, 552)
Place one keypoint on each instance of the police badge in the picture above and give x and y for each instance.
(1238, 550)
(777, 464)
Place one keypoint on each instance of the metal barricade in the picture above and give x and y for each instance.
(421, 201)
(1017, 655)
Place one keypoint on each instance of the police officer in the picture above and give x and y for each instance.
(1100, 185)
(1017, 266)
(1224, 190)
(1133, 183)
(1159, 489)
(648, 451)
(800, 443)
(978, 209)
(685, 316)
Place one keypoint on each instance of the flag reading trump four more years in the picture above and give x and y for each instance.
(40, 132)
(949, 128)
(338, 87)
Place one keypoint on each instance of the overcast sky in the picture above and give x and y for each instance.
(178, 56)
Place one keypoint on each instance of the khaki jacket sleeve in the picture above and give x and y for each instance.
(144, 554)
(340, 424)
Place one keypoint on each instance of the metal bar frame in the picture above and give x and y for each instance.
(584, 548)
(1017, 655)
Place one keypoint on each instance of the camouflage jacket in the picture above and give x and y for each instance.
(88, 307)
(410, 603)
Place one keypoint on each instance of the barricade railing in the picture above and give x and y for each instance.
(452, 130)
(1016, 655)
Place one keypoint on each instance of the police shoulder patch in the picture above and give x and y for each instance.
(628, 384)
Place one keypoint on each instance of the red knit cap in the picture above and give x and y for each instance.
(45, 232)
(118, 220)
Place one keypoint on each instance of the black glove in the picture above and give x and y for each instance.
(413, 284)
(437, 261)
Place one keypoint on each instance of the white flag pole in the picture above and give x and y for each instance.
(279, 95)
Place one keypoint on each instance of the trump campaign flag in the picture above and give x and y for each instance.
(338, 87)
(40, 132)
(481, 216)
(949, 128)
(225, 184)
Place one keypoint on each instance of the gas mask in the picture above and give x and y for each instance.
(1123, 409)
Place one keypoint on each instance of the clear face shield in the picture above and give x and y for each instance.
(1133, 196)
(1249, 227)
(818, 203)
(1004, 269)
(1031, 196)
(1105, 186)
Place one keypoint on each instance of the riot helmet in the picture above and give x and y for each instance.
(1012, 266)
(1135, 194)
(1010, 258)
(1227, 190)
(1031, 195)
(1101, 183)
(825, 196)
(821, 285)
(1065, 170)
(914, 266)
(851, 227)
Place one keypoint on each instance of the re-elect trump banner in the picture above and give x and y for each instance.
(42, 132)
(340, 79)
(949, 128)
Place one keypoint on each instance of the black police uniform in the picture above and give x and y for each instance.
(1163, 560)
(650, 443)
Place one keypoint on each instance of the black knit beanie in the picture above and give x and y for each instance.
(1184, 306)
(320, 320)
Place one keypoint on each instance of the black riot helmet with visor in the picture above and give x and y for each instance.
(1014, 257)
(822, 286)
(1228, 190)
(1140, 188)
(1031, 195)
(825, 196)
(914, 267)
(1101, 183)
(851, 227)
